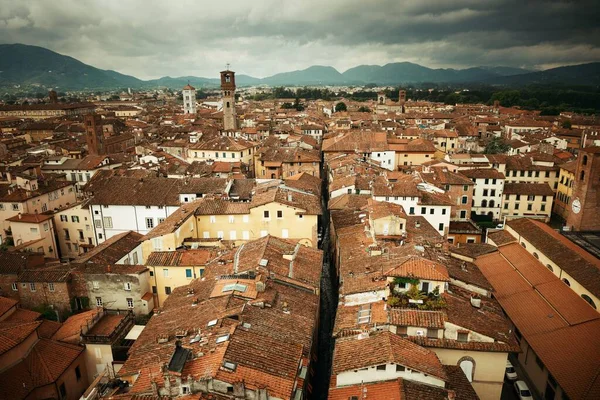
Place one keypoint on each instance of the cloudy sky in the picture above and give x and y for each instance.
(150, 39)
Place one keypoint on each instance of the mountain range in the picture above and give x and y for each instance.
(30, 66)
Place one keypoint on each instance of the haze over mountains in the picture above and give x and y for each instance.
(36, 66)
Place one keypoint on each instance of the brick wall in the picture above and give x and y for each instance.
(60, 298)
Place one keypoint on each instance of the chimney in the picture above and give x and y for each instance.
(451, 395)
(289, 196)
(20, 216)
(108, 271)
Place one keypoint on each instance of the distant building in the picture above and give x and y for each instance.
(189, 99)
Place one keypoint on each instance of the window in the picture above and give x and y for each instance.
(381, 368)
(589, 300)
(149, 223)
(63, 391)
(33, 230)
(188, 273)
(441, 227)
(32, 286)
(285, 233)
(443, 211)
(464, 200)
(98, 223)
(129, 302)
(411, 211)
(154, 290)
(279, 214)
(550, 267)
(64, 218)
(529, 207)
(14, 286)
(231, 219)
(167, 289)
(99, 301)
(423, 210)
(74, 218)
(77, 373)
(266, 214)
(431, 211)
(108, 222)
(96, 285)
(165, 272)
(213, 219)
(400, 368)
(15, 207)
(51, 286)
(462, 337)
(135, 259)
(485, 192)
(127, 286)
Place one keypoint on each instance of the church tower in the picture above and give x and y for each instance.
(585, 201)
(228, 95)
(189, 99)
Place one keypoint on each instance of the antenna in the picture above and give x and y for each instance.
(227, 65)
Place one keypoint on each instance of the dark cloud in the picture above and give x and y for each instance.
(156, 38)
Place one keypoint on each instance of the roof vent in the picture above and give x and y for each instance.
(263, 262)
(476, 302)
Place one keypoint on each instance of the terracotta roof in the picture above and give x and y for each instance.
(388, 390)
(501, 237)
(113, 249)
(30, 218)
(381, 348)
(482, 173)
(6, 304)
(534, 189)
(420, 268)
(13, 333)
(582, 266)
(44, 365)
(50, 274)
(173, 221)
(558, 324)
(70, 329)
(417, 318)
(193, 257)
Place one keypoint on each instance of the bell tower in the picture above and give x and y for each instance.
(228, 95)
(585, 201)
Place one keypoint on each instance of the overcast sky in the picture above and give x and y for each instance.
(150, 39)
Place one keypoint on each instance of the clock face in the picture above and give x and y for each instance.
(576, 206)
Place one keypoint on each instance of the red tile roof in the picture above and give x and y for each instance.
(381, 348)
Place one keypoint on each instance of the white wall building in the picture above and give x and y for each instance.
(189, 99)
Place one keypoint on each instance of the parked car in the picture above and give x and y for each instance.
(523, 391)
(511, 374)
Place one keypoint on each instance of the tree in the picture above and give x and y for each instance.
(566, 124)
(341, 106)
(297, 105)
(364, 109)
(496, 146)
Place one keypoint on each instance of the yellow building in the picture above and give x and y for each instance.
(283, 162)
(223, 148)
(35, 233)
(412, 152)
(74, 230)
(276, 211)
(564, 191)
(169, 235)
(172, 269)
(527, 200)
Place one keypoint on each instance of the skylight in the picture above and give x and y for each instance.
(212, 322)
(223, 338)
(238, 287)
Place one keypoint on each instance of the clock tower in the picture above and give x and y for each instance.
(228, 96)
(584, 210)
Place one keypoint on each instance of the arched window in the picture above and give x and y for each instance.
(566, 282)
(536, 255)
(227, 104)
(582, 176)
(467, 364)
(491, 203)
(584, 160)
(589, 300)
(550, 267)
(483, 203)
(523, 244)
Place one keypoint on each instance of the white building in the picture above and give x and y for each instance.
(487, 194)
(189, 99)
